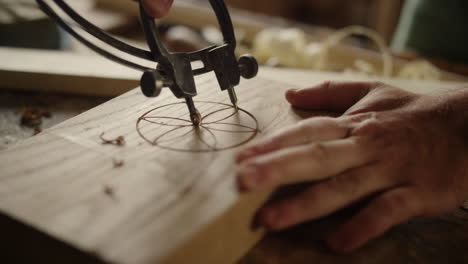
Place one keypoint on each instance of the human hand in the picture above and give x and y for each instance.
(406, 151)
(157, 8)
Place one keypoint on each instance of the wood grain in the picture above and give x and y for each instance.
(163, 199)
(166, 206)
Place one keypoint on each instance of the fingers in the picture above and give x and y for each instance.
(316, 129)
(157, 8)
(324, 198)
(389, 209)
(330, 96)
(302, 163)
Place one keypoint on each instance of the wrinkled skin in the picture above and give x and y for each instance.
(406, 152)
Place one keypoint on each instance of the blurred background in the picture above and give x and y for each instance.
(409, 29)
(381, 15)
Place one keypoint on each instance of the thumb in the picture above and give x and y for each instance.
(330, 96)
(157, 8)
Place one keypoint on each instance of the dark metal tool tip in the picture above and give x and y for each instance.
(195, 115)
(233, 97)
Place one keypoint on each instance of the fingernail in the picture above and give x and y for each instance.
(291, 93)
(294, 90)
(248, 178)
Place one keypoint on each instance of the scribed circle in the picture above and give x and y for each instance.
(149, 117)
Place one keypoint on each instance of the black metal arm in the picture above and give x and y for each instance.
(174, 70)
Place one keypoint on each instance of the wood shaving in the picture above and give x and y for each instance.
(32, 118)
(420, 70)
(291, 48)
(119, 141)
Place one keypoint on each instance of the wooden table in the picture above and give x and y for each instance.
(427, 241)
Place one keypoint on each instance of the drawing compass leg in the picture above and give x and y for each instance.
(233, 97)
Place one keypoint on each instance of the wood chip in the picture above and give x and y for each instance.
(119, 141)
(32, 118)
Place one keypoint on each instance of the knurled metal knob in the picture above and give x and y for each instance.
(248, 66)
(151, 84)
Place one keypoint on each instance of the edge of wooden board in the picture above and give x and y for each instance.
(63, 83)
(235, 224)
(65, 72)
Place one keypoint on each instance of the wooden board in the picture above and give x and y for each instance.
(161, 206)
(65, 72)
(56, 182)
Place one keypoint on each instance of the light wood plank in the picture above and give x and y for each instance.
(55, 182)
(166, 206)
(65, 72)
